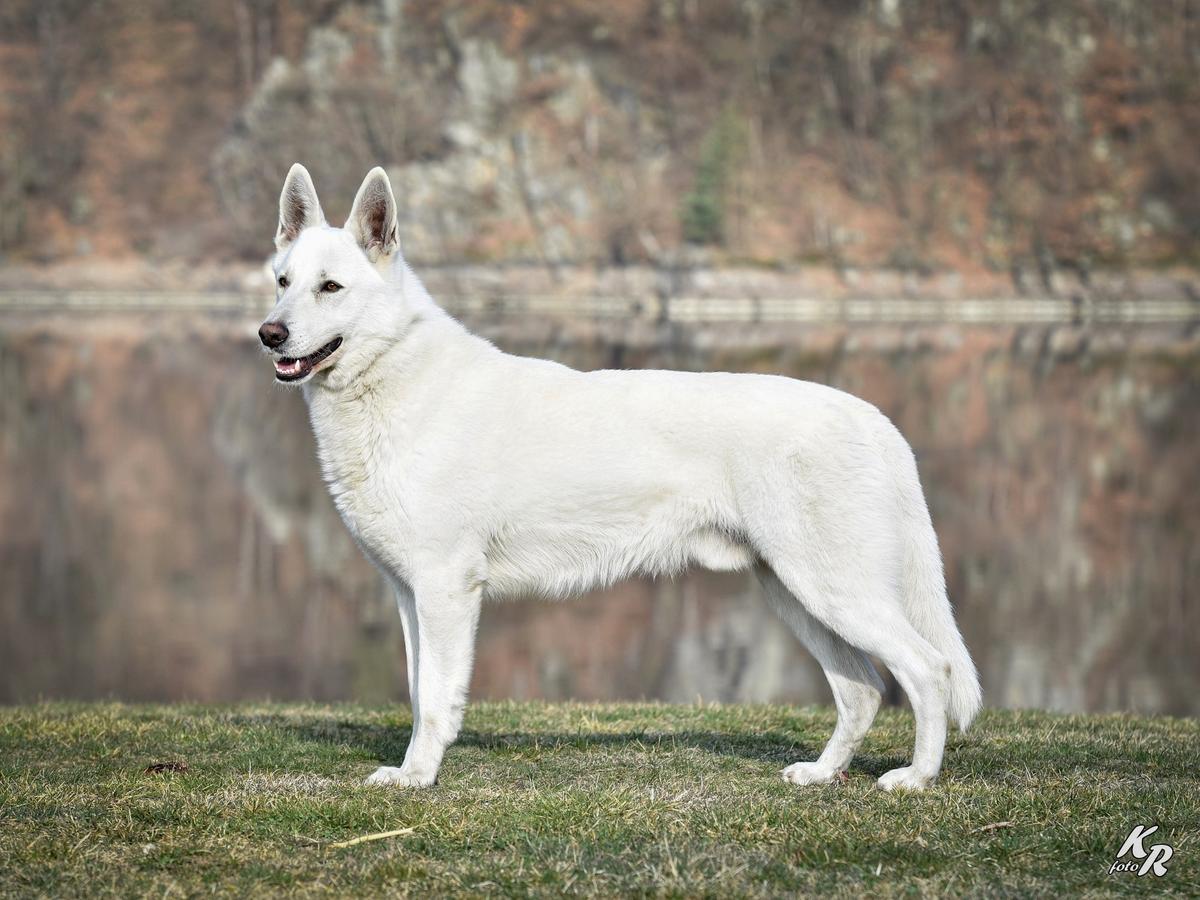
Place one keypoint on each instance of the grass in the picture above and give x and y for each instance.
(590, 799)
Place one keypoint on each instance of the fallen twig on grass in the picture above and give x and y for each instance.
(378, 836)
(994, 826)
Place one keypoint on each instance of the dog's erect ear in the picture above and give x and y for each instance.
(373, 217)
(298, 207)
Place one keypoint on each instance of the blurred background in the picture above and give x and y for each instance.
(982, 217)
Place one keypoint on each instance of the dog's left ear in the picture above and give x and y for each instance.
(373, 217)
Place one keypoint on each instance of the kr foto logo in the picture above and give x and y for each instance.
(1142, 861)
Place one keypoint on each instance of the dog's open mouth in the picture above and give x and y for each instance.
(288, 369)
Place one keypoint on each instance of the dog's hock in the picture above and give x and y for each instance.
(299, 207)
(373, 216)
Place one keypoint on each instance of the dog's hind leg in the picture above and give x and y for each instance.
(876, 624)
(439, 637)
(830, 527)
(852, 678)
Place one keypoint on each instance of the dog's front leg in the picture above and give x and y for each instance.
(439, 637)
(406, 602)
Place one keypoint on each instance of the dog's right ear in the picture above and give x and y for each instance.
(298, 207)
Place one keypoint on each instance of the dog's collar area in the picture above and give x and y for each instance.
(289, 369)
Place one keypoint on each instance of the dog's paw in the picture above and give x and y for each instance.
(905, 779)
(400, 778)
(809, 773)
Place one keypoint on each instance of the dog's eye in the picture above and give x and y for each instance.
(330, 287)
(283, 281)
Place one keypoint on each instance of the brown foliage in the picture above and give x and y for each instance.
(943, 133)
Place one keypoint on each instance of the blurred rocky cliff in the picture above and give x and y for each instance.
(1019, 138)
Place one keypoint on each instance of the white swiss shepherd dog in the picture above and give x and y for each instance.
(465, 474)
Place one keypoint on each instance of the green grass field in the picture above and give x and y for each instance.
(585, 799)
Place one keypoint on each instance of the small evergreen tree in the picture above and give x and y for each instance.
(703, 212)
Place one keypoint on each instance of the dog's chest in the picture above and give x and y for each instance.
(363, 467)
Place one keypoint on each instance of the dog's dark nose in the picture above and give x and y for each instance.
(272, 334)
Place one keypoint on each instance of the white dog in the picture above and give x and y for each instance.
(467, 474)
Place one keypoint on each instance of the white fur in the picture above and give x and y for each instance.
(467, 474)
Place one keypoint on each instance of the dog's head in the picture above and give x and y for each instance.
(335, 306)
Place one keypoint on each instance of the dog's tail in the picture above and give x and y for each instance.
(925, 602)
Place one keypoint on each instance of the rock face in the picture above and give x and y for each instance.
(492, 155)
(164, 533)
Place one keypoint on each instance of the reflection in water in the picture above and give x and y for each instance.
(164, 532)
